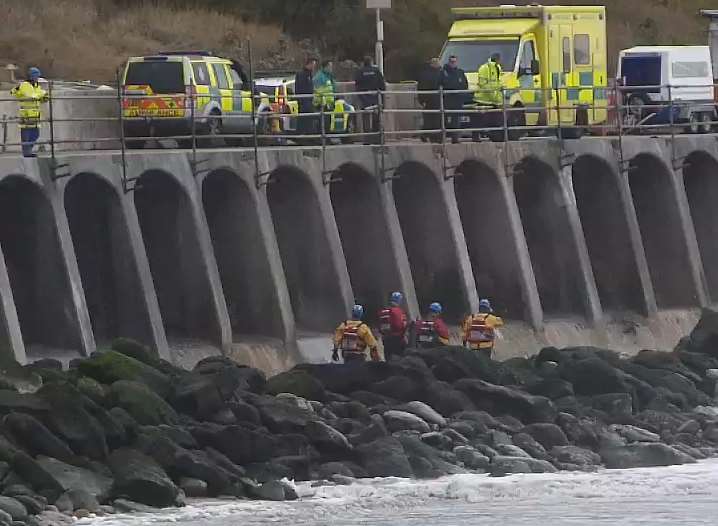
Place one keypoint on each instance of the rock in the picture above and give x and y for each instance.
(275, 490)
(14, 508)
(691, 427)
(129, 506)
(425, 412)
(575, 455)
(140, 478)
(124, 419)
(377, 429)
(427, 461)
(391, 462)
(497, 399)
(704, 337)
(617, 405)
(510, 423)
(48, 363)
(548, 435)
(635, 434)
(326, 438)
(665, 361)
(438, 440)
(457, 439)
(143, 404)
(5, 518)
(397, 387)
(501, 466)
(580, 432)
(641, 455)
(112, 366)
(675, 383)
(593, 376)
(245, 412)
(553, 388)
(509, 450)
(52, 518)
(31, 471)
(231, 373)
(193, 488)
(329, 469)
(354, 410)
(14, 490)
(401, 420)
(92, 389)
(239, 444)
(452, 363)
(297, 382)
(72, 478)
(471, 458)
(35, 437)
(32, 505)
(81, 513)
(447, 400)
(281, 416)
(134, 349)
(11, 401)
(530, 445)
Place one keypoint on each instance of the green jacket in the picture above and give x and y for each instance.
(324, 89)
(489, 84)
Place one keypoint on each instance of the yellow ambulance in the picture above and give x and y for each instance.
(551, 56)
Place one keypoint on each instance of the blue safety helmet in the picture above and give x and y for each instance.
(34, 73)
(435, 308)
(485, 306)
(396, 297)
(357, 312)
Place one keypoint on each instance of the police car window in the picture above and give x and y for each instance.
(221, 75)
(528, 55)
(582, 50)
(201, 75)
(236, 79)
(566, 55)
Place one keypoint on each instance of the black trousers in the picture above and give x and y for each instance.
(393, 346)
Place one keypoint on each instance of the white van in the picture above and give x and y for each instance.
(655, 75)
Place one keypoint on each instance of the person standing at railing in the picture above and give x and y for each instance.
(453, 78)
(429, 80)
(488, 95)
(369, 78)
(304, 85)
(325, 88)
(31, 96)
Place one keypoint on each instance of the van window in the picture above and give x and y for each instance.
(528, 55)
(471, 55)
(201, 75)
(236, 79)
(162, 76)
(221, 76)
(566, 51)
(689, 69)
(582, 50)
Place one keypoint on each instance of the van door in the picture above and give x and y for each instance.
(529, 81)
(224, 91)
(568, 92)
(242, 102)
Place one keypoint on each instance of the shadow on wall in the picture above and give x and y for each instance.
(700, 174)
(173, 250)
(365, 238)
(104, 257)
(427, 235)
(605, 228)
(242, 259)
(658, 215)
(554, 257)
(489, 238)
(304, 247)
(38, 278)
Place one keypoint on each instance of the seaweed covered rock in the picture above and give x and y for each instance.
(139, 478)
(143, 404)
(112, 366)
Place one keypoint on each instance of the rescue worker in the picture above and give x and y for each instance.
(432, 331)
(480, 329)
(324, 91)
(392, 326)
(304, 85)
(429, 80)
(30, 96)
(369, 78)
(489, 95)
(453, 78)
(353, 337)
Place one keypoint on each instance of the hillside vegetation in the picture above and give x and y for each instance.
(88, 39)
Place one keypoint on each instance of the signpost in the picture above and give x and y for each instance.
(378, 5)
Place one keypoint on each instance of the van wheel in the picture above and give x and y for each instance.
(214, 128)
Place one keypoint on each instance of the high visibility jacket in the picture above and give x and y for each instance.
(489, 84)
(480, 330)
(433, 330)
(354, 337)
(30, 97)
(324, 89)
(392, 321)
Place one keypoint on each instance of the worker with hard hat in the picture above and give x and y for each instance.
(479, 330)
(392, 326)
(433, 330)
(353, 337)
(30, 96)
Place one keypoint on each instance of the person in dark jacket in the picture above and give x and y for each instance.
(369, 78)
(454, 78)
(304, 85)
(429, 80)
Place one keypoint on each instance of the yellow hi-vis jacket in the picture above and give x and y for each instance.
(364, 337)
(489, 84)
(486, 323)
(30, 97)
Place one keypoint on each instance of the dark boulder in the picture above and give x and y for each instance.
(471, 458)
(230, 373)
(297, 382)
(502, 465)
(57, 477)
(500, 400)
(642, 455)
(618, 406)
(575, 455)
(704, 337)
(438, 440)
(447, 400)
(548, 435)
(401, 420)
(593, 376)
(282, 415)
(11, 401)
(375, 430)
(666, 361)
(553, 388)
(111, 366)
(530, 445)
(397, 387)
(425, 460)
(143, 404)
(326, 438)
(14, 508)
(385, 457)
(329, 469)
(139, 478)
(343, 380)
(35, 437)
(579, 431)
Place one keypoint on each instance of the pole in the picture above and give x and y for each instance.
(379, 42)
(52, 123)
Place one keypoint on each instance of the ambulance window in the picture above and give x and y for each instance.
(582, 50)
(566, 55)
(201, 75)
(236, 79)
(221, 75)
(528, 55)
